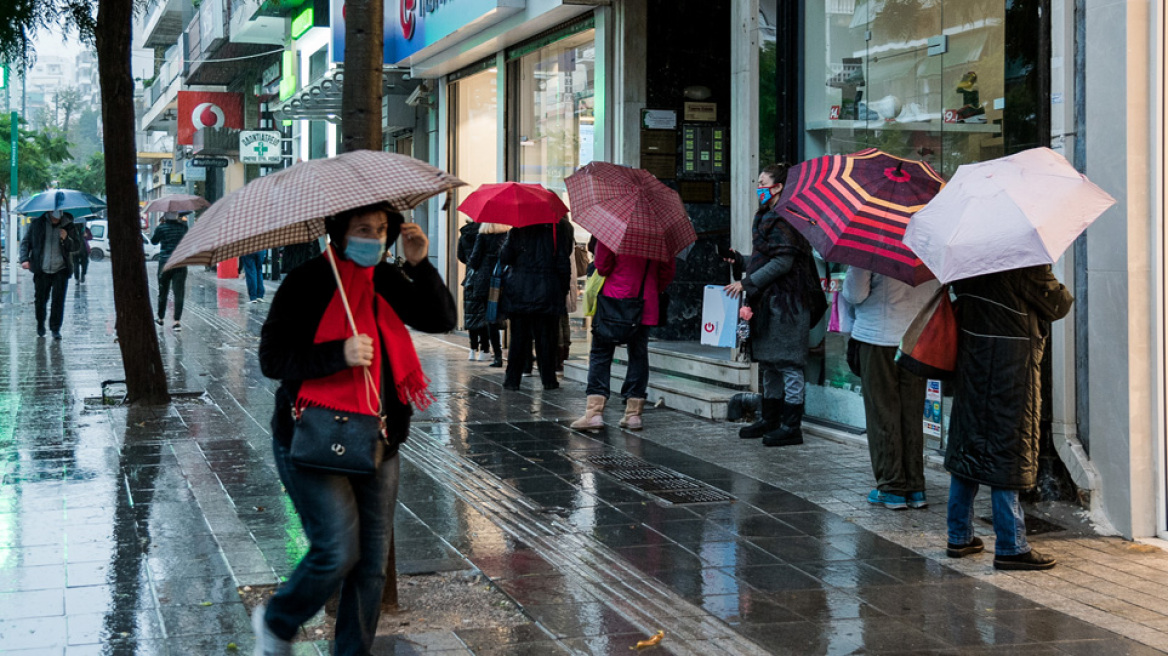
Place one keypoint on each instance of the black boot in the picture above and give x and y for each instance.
(771, 418)
(791, 430)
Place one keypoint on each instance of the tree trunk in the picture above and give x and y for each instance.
(361, 91)
(145, 377)
(361, 130)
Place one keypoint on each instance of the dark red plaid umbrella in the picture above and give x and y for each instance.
(630, 211)
(513, 203)
(855, 208)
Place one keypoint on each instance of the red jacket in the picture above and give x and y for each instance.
(623, 274)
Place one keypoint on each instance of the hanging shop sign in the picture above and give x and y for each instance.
(207, 109)
(260, 147)
(416, 29)
(302, 22)
(210, 162)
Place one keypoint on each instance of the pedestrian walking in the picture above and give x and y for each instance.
(481, 261)
(167, 235)
(626, 276)
(47, 250)
(253, 272)
(467, 236)
(781, 285)
(307, 343)
(893, 397)
(81, 257)
(1004, 319)
(533, 297)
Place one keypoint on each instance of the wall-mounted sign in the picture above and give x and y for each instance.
(207, 109)
(415, 29)
(288, 76)
(196, 173)
(260, 147)
(659, 119)
(210, 162)
(302, 22)
(701, 111)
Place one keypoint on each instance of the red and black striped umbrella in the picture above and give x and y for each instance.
(855, 208)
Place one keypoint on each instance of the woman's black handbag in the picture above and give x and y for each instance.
(617, 319)
(334, 442)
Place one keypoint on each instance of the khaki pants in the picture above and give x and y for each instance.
(894, 404)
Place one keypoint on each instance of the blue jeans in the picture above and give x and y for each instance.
(1009, 522)
(637, 376)
(349, 524)
(252, 265)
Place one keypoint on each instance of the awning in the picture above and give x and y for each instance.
(320, 100)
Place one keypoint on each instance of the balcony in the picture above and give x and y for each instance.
(249, 26)
(161, 97)
(213, 58)
(161, 23)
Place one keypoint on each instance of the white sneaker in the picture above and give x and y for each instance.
(470, 356)
(912, 113)
(483, 355)
(267, 644)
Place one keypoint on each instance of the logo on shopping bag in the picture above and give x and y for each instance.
(710, 327)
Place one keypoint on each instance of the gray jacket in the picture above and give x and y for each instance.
(777, 338)
(884, 306)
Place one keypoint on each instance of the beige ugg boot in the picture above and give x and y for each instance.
(632, 418)
(593, 418)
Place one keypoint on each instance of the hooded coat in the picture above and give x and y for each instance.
(32, 246)
(482, 261)
(1004, 320)
(539, 257)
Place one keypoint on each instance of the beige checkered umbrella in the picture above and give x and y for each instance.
(289, 207)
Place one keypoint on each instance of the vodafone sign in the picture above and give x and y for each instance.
(208, 115)
(417, 29)
(198, 110)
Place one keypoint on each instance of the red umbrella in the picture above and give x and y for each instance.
(513, 203)
(630, 211)
(855, 208)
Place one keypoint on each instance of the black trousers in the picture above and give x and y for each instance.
(894, 405)
(486, 338)
(178, 279)
(543, 330)
(80, 264)
(54, 284)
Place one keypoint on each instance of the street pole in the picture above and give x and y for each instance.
(12, 196)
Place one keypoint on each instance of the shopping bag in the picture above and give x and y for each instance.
(591, 290)
(719, 317)
(494, 292)
(929, 346)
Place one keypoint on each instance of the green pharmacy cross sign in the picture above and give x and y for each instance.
(260, 147)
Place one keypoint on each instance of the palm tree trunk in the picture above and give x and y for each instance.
(145, 377)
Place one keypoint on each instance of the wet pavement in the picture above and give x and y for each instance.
(128, 530)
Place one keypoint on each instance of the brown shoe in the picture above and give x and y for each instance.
(593, 418)
(632, 418)
(975, 546)
(1031, 560)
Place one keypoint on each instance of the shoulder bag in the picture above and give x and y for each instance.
(617, 319)
(929, 346)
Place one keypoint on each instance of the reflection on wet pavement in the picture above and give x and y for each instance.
(127, 531)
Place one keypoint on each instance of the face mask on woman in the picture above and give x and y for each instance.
(365, 252)
(765, 194)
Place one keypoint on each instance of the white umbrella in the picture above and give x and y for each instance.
(1002, 214)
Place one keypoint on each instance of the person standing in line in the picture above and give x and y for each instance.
(533, 297)
(481, 261)
(306, 343)
(467, 237)
(893, 397)
(626, 276)
(1004, 320)
(781, 284)
(167, 235)
(47, 250)
(253, 271)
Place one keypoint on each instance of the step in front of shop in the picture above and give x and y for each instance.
(690, 396)
(720, 372)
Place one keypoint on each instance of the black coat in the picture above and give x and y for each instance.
(32, 245)
(1004, 320)
(168, 234)
(540, 269)
(466, 240)
(482, 264)
(287, 351)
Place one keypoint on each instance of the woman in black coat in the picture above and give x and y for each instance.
(1004, 320)
(482, 260)
(534, 297)
(307, 344)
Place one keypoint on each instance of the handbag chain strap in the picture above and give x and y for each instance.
(370, 385)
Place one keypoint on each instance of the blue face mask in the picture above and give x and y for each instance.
(365, 252)
(764, 195)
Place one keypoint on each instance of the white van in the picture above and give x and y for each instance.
(99, 245)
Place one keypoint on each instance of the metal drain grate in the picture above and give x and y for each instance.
(665, 484)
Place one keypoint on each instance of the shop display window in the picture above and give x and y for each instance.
(552, 113)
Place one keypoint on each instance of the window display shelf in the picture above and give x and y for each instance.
(922, 126)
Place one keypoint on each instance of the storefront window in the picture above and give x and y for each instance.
(552, 111)
(474, 130)
(920, 79)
